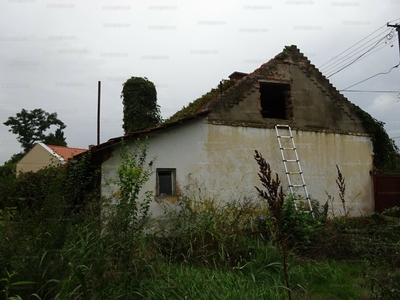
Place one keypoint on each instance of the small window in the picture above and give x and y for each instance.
(166, 182)
(273, 97)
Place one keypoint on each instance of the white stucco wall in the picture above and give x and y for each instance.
(217, 161)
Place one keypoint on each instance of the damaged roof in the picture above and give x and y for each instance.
(231, 87)
(204, 104)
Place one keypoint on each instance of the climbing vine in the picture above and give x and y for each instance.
(201, 102)
(139, 97)
(385, 150)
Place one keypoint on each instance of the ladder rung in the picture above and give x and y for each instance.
(287, 134)
(302, 200)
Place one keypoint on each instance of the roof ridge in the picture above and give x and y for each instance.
(49, 145)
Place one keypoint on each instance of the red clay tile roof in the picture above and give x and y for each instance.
(66, 152)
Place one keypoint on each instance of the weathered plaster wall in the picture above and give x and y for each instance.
(217, 161)
(231, 160)
(311, 105)
(315, 107)
(179, 147)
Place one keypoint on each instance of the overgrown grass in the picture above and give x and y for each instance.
(210, 257)
(205, 249)
(259, 278)
(206, 233)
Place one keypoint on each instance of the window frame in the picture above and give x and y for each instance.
(172, 171)
(285, 87)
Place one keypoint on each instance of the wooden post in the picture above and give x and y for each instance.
(98, 112)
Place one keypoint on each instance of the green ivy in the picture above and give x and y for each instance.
(201, 102)
(140, 105)
(385, 150)
(128, 211)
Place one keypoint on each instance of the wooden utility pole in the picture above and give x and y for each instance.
(98, 112)
(397, 26)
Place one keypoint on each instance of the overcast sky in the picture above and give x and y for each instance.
(53, 53)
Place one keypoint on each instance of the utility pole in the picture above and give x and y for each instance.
(397, 26)
(98, 112)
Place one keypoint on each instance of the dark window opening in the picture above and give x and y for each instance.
(166, 182)
(273, 97)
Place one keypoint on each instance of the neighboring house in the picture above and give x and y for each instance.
(210, 150)
(41, 156)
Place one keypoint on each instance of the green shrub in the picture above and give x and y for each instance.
(301, 228)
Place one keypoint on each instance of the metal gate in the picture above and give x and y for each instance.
(386, 189)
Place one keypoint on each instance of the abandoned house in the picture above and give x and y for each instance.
(208, 147)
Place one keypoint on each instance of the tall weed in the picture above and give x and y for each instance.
(207, 232)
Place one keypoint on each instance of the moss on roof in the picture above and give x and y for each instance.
(199, 104)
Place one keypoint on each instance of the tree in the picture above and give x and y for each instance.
(31, 127)
(139, 97)
(8, 168)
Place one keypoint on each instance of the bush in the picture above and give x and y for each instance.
(208, 233)
(301, 228)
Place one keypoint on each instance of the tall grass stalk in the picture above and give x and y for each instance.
(273, 194)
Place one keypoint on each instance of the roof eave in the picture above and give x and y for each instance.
(56, 155)
(139, 133)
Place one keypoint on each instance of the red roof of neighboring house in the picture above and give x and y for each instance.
(66, 152)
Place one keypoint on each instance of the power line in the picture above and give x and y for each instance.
(379, 48)
(353, 45)
(361, 91)
(338, 64)
(356, 59)
(394, 20)
(349, 64)
(346, 57)
(371, 77)
(359, 58)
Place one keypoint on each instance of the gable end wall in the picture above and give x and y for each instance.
(313, 103)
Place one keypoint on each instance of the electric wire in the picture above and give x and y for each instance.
(329, 64)
(392, 21)
(379, 48)
(349, 64)
(352, 46)
(341, 63)
(361, 91)
(381, 73)
(349, 56)
(326, 66)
